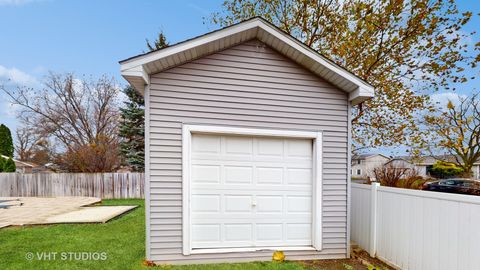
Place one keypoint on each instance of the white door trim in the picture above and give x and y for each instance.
(248, 249)
(187, 131)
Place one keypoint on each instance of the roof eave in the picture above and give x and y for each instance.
(137, 77)
(136, 70)
(360, 95)
(150, 57)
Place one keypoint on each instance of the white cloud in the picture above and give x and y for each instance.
(441, 99)
(17, 77)
(9, 108)
(198, 8)
(16, 2)
(7, 112)
(10, 78)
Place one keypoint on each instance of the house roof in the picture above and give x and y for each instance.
(366, 156)
(408, 160)
(136, 70)
(430, 160)
(20, 162)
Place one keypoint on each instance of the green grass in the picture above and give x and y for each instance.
(122, 239)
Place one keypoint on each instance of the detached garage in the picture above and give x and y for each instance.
(247, 147)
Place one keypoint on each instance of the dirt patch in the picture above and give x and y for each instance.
(374, 263)
(360, 260)
(343, 264)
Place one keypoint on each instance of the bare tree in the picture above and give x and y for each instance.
(98, 157)
(71, 110)
(456, 132)
(80, 114)
(392, 176)
(26, 140)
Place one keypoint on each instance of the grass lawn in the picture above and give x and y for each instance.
(122, 239)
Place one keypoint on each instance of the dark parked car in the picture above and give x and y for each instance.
(460, 186)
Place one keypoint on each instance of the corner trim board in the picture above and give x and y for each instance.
(349, 176)
(147, 170)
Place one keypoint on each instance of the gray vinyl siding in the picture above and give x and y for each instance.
(249, 85)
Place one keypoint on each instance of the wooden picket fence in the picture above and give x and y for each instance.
(102, 185)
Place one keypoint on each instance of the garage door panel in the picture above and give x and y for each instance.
(299, 176)
(269, 204)
(257, 163)
(222, 244)
(206, 173)
(206, 233)
(238, 232)
(206, 218)
(298, 231)
(206, 203)
(238, 174)
(269, 175)
(257, 191)
(206, 144)
(238, 204)
(270, 147)
(299, 149)
(238, 146)
(299, 204)
(269, 232)
(198, 157)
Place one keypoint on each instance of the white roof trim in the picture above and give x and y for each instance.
(134, 69)
(363, 157)
(18, 161)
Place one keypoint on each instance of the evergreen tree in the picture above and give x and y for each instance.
(132, 130)
(9, 165)
(6, 142)
(159, 43)
(132, 125)
(2, 163)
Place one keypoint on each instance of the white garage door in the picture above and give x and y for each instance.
(250, 192)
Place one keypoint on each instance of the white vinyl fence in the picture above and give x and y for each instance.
(102, 185)
(414, 229)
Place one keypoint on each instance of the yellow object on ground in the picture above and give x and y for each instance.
(278, 256)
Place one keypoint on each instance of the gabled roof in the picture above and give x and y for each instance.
(367, 156)
(136, 70)
(20, 162)
(430, 160)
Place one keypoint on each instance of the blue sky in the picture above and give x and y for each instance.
(89, 37)
(86, 37)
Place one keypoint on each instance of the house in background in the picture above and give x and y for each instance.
(24, 167)
(247, 147)
(424, 164)
(28, 167)
(406, 163)
(21, 166)
(363, 165)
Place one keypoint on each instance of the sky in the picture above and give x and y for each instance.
(86, 37)
(89, 37)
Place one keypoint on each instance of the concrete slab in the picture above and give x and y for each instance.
(96, 214)
(4, 224)
(9, 203)
(17, 211)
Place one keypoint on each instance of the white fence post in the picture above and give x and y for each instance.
(373, 219)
